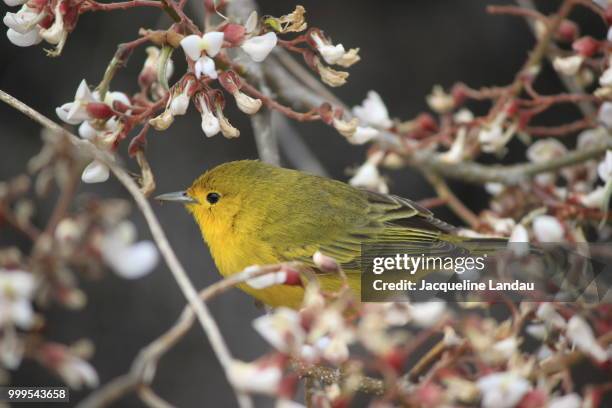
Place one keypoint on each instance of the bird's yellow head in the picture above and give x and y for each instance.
(224, 201)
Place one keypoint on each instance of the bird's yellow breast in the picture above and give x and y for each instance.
(234, 246)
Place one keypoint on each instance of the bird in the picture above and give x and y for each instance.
(253, 213)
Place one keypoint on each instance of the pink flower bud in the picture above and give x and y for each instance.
(426, 122)
(292, 276)
(459, 95)
(234, 34)
(326, 112)
(230, 81)
(568, 31)
(586, 46)
(608, 14)
(324, 262)
(99, 110)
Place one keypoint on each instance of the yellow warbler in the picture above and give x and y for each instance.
(253, 213)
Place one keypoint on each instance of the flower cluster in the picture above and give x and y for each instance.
(39, 20)
(85, 241)
(477, 361)
(214, 58)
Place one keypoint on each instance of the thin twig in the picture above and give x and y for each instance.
(145, 364)
(454, 203)
(206, 320)
(587, 108)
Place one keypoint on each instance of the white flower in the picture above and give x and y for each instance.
(86, 131)
(548, 229)
(604, 169)
(427, 314)
(210, 123)
(246, 104)
(330, 53)
(502, 390)
(16, 290)
(519, 240)
(282, 329)
(11, 349)
(95, 172)
(605, 114)
(373, 111)
(194, 45)
(346, 128)
(506, 348)
(547, 313)
(227, 129)
(545, 150)
(456, 152)
(363, 134)
(334, 348)
(537, 331)
(111, 97)
(24, 40)
(493, 137)
(463, 116)
(581, 335)
(128, 259)
(606, 78)
(594, 199)
(205, 66)
(572, 400)
(75, 112)
(568, 65)
(368, 176)
(251, 377)
(494, 188)
(260, 46)
(75, 371)
(24, 20)
(251, 23)
(13, 3)
(439, 101)
(179, 104)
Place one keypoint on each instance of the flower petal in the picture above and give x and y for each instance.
(548, 229)
(259, 47)
(86, 131)
(13, 3)
(210, 124)
(24, 40)
(192, 46)
(179, 104)
(212, 41)
(95, 172)
(373, 111)
(134, 261)
(22, 21)
(205, 65)
(63, 111)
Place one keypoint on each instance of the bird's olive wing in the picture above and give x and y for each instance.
(386, 219)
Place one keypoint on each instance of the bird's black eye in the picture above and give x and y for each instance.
(213, 197)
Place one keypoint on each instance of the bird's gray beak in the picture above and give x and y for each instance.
(177, 196)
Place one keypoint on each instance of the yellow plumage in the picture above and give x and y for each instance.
(253, 213)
